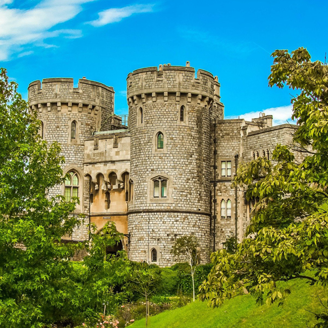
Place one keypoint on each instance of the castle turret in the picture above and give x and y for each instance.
(70, 115)
(169, 119)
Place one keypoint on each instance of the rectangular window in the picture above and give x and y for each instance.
(223, 169)
(75, 192)
(164, 189)
(68, 194)
(156, 189)
(229, 169)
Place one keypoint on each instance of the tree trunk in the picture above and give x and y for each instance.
(147, 310)
(193, 285)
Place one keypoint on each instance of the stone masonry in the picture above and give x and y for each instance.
(119, 167)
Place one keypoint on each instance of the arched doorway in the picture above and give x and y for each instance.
(112, 250)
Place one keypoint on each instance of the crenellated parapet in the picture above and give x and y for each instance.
(172, 81)
(59, 94)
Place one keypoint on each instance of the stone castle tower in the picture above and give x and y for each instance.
(169, 120)
(70, 115)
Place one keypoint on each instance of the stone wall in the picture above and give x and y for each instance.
(183, 161)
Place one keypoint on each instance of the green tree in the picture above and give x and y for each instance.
(39, 285)
(186, 248)
(145, 279)
(288, 235)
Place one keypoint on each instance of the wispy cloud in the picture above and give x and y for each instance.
(281, 114)
(23, 29)
(114, 15)
(19, 28)
(228, 46)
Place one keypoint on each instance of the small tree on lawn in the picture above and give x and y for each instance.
(186, 248)
(145, 280)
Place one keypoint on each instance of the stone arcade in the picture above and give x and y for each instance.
(169, 172)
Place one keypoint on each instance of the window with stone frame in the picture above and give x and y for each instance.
(228, 209)
(160, 140)
(141, 115)
(41, 130)
(154, 255)
(71, 186)
(223, 209)
(182, 113)
(226, 169)
(73, 130)
(160, 188)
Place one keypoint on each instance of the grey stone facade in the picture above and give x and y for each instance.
(119, 167)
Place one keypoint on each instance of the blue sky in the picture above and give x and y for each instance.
(105, 40)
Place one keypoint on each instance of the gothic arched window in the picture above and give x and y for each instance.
(228, 209)
(71, 186)
(154, 255)
(223, 209)
(182, 113)
(73, 130)
(160, 140)
(160, 188)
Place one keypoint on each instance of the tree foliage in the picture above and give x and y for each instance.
(39, 285)
(187, 248)
(288, 235)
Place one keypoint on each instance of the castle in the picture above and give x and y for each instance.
(165, 174)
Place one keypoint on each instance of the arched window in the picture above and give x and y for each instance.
(160, 188)
(154, 255)
(228, 209)
(182, 113)
(264, 154)
(73, 130)
(71, 186)
(112, 178)
(254, 155)
(141, 115)
(160, 140)
(223, 209)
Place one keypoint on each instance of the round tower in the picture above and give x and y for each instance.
(169, 121)
(70, 115)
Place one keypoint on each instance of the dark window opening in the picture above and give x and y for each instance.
(160, 140)
(154, 255)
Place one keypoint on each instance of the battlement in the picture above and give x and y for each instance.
(62, 90)
(172, 79)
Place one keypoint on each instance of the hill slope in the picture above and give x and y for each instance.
(242, 311)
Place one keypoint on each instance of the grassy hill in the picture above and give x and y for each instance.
(242, 311)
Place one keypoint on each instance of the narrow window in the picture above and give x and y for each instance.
(71, 186)
(254, 155)
(264, 154)
(223, 169)
(141, 115)
(257, 154)
(163, 188)
(107, 199)
(153, 255)
(156, 189)
(229, 209)
(268, 154)
(160, 140)
(73, 130)
(229, 169)
(182, 109)
(223, 209)
(112, 178)
(41, 132)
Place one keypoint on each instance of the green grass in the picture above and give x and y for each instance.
(242, 311)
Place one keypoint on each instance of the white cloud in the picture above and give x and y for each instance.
(114, 15)
(19, 28)
(281, 115)
(23, 28)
